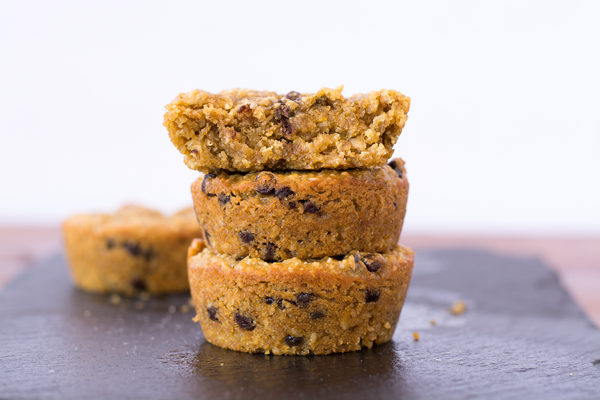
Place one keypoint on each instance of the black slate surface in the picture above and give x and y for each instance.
(522, 337)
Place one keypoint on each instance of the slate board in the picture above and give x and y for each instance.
(522, 337)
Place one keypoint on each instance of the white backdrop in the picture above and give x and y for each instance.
(503, 134)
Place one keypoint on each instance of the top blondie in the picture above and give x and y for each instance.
(246, 130)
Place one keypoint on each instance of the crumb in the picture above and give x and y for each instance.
(416, 336)
(433, 322)
(115, 298)
(184, 308)
(139, 305)
(191, 302)
(459, 307)
(222, 364)
(387, 325)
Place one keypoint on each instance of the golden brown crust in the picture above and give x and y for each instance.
(246, 130)
(296, 307)
(133, 250)
(304, 214)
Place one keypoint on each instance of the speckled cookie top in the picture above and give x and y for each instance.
(133, 217)
(247, 130)
(354, 264)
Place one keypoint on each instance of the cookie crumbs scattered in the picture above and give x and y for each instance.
(416, 336)
(458, 308)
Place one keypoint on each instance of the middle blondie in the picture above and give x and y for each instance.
(275, 216)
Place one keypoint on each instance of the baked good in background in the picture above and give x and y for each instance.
(131, 251)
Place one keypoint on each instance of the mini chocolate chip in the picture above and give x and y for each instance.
(110, 243)
(245, 323)
(223, 199)
(246, 236)
(373, 262)
(283, 111)
(283, 192)
(139, 284)
(395, 167)
(371, 296)
(270, 300)
(203, 187)
(293, 95)
(270, 252)
(286, 127)
(304, 299)
(133, 248)
(317, 314)
(292, 204)
(245, 107)
(267, 183)
(212, 313)
(293, 340)
(207, 237)
(148, 254)
(310, 207)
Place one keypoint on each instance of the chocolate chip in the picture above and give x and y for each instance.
(394, 165)
(243, 108)
(270, 252)
(293, 95)
(304, 299)
(270, 300)
(286, 127)
(373, 262)
(292, 204)
(371, 296)
(246, 236)
(207, 237)
(293, 340)
(310, 207)
(203, 187)
(139, 284)
(267, 182)
(283, 112)
(339, 257)
(280, 304)
(212, 313)
(223, 199)
(317, 314)
(110, 243)
(283, 192)
(148, 254)
(133, 248)
(245, 323)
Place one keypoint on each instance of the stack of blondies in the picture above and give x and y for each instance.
(301, 215)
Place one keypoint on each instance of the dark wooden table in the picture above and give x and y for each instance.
(576, 260)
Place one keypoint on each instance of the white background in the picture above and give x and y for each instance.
(503, 134)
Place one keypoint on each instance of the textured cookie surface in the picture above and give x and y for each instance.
(295, 307)
(134, 250)
(304, 214)
(247, 130)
